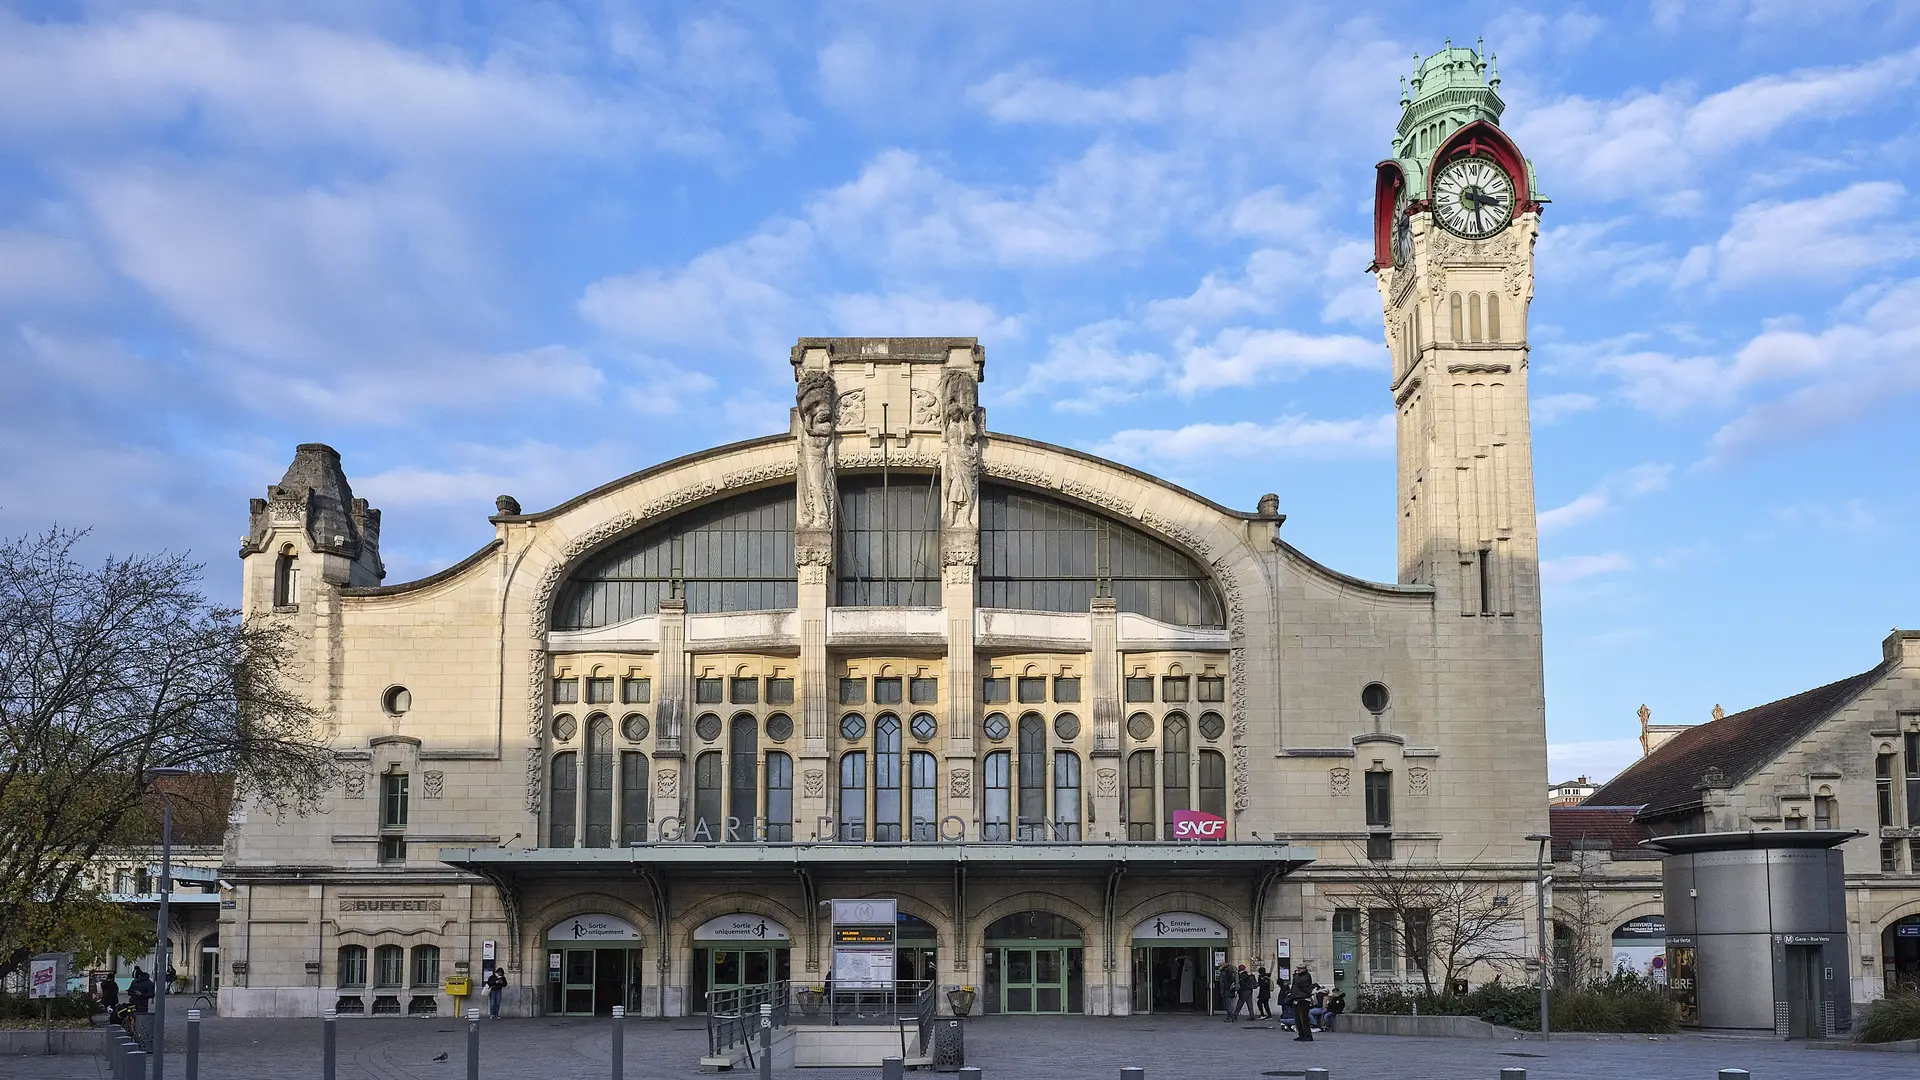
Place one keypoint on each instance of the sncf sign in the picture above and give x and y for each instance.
(1194, 825)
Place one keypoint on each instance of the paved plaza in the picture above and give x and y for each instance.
(1026, 1048)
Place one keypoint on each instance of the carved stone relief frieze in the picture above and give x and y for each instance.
(852, 409)
(1417, 783)
(1178, 531)
(673, 500)
(534, 754)
(813, 785)
(1106, 783)
(1025, 475)
(926, 409)
(355, 785)
(899, 459)
(1119, 504)
(1242, 782)
(433, 784)
(759, 474)
(668, 785)
(1338, 781)
(960, 784)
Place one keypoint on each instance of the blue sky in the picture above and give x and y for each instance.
(527, 248)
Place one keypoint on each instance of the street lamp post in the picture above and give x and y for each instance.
(162, 947)
(1540, 900)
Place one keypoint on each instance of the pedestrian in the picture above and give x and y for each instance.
(1302, 996)
(1317, 1015)
(1243, 988)
(140, 991)
(1265, 986)
(496, 982)
(109, 995)
(1336, 1005)
(1222, 980)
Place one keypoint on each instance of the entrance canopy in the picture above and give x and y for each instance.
(1222, 859)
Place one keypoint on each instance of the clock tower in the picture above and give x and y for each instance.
(1456, 211)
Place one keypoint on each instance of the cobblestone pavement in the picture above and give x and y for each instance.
(1006, 1048)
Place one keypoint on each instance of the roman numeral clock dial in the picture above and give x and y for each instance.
(1473, 197)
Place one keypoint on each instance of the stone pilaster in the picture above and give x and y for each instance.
(1103, 690)
(670, 683)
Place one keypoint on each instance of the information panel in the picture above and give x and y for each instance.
(864, 936)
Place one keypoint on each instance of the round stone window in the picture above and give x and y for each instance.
(707, 727)
(996, 726)
(923, 726)
(1067, 726)
(634, 727)
(779, 727)
(1211, 726)
(1375, 697)
(397, 700)
(565, 727)
(852, 726)
(1140, 727)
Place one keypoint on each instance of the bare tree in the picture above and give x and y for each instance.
(106, 672)
(1579, 910)
(1445, 917)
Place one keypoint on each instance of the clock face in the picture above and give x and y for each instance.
(1473, 197)
(1402, 229)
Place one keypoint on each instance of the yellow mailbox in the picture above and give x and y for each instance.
(458, 986)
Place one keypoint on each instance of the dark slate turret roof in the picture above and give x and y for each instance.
(1736, 746)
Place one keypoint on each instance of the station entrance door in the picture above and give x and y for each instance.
(1174, 956)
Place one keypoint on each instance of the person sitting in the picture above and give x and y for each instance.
(1317, 1014)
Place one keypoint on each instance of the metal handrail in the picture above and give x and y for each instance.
(730, 1013)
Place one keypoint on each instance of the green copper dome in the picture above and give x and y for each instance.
(1447, 91)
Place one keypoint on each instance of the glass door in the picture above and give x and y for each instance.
(576, 984)
(1017, 976)
(1033, 980)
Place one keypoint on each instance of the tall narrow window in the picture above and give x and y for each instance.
(1140, 787)
(1176, 766)
(389, 966)
(1883, 787)
(1419, 938)
(1486, 582)
(1380, 799)
(853, 796)
(599, 831)
(1383, 943)
(1066, 795)
(1473, 317)
(1453, 307)
(1823, 811)
(779, 797)
(886, 777)
(353, 965)
(560, 812)
(393, 801)
(743, 776)
(426, 965)
(924, 775)
(1913, 779)
(1033, 777)
(997, 812)
(633, 798)
(286, 578)
(1493, 316)
(1213, 783)
(708, 814)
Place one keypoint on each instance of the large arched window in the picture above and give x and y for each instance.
(1213, 783)
(924, 776)
(633, 797)
(743, 775)
(1140, 788)
(779, 797)
(995, 807)
(709, 819)
(1177, 761)
(599, 832)
(1066, 795)
(853, 796)
(563, 791)
(1033, 777)
(1041, 554)
(889, 542)
(734, 555)
(886, 779)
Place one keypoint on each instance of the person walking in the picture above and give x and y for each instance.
(1223, 987)
(1302, 997)
(1264, 985)
(1243, 987)
(140, 991)
(496, 982)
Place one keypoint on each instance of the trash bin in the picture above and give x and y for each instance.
(949, 1044)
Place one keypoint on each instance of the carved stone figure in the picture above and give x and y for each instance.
(1269, 505)
(961, 447)
(815, 495)
(926, 409)
(507, 504)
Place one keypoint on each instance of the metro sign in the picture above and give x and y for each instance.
(1194, 825)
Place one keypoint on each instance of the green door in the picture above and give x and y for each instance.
(1033, 980)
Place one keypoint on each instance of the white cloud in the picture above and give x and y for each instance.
(1828, 237)
(1553, 408)
(1298, 435)
(1572, 568)
(1241, 356)
(1612, 491)
(1089, 369)
(36, 268)
(1851, 516)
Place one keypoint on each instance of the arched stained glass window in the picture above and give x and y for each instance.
(996, 802)
(1066, 795)
(734, 555)
(561, 809)
(1033, 777)
(599, 831)
(1213, 782)
(925, 779)
(889, 541)
(886, 779)
(779, 797)
(1041, 554)
(1177, 761)
(709, 820)
(633, 797)
(1140, 790)
(853, 796)
(743, 776)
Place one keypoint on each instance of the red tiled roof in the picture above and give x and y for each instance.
(1603, 828)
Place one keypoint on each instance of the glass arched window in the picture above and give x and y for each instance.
(733, 555)
(1493, 316)
(286, 577)
(709, 819)
(743, 775)
(1042, 554)
(924, 781)
(1454, 315)
(886, 779)
(1140, 788)
(633, 798)
(1473, 318)
(389, 966)
(889, 542)
(996, 797)
(560, 807)
(1213, 783)
(353, 965)
(426, 965)
(599, 831)
(853, 796)
(1033, 777)
(1177, 766)
(779, 797)
(1066, 795)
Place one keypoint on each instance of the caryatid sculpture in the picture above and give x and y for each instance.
(816, 496)
(961, 448)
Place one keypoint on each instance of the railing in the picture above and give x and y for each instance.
(924, 1008)
(852, 1008)
(733, 1014)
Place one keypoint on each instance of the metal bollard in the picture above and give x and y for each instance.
(137, 1065)
(766, 1043)
(121, 1058)
(1513, 1074)
(970, 1072)
(473, 1044)
(329, 1058)
(1133, 1072)
(1316, 1074)
(193, 1044)
(1734, 1074)
(619, 1042)
(893, 1069)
